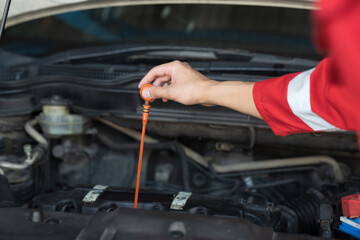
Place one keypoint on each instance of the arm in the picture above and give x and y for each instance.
(293, 103)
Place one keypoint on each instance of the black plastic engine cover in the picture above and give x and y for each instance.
(16, 223)
(112, 198)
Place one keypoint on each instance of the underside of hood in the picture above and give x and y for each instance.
(25, 10)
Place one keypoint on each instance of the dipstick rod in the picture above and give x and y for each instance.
(145, 116)
(144, 121)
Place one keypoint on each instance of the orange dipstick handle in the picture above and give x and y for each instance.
(145, 116)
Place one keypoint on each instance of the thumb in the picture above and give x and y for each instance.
(156, 92)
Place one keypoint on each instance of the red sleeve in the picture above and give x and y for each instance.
(310, 101)
(270, 98)
(326, 98)
(287, 103)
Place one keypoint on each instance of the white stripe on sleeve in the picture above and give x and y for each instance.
(298, 97)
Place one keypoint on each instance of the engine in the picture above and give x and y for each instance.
(59, 162)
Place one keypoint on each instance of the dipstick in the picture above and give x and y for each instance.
(145, 116)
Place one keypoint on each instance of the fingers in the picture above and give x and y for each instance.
(165, 85)
(156, 92)
(161, 81)
(156, 72)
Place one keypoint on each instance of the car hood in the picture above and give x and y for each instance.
(25, 10)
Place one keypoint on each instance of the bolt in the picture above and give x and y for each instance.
(52, 221)
(58, 151)
(177, 230)
(27, 150)
(37, 216)
(270, 206)
(199, 179)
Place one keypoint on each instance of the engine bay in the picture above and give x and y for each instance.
(57, 165)
(70, 128)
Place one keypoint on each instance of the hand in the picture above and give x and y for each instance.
(177, 81)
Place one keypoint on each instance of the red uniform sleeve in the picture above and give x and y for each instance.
(326, 98)
(287, 103)
(270, 98)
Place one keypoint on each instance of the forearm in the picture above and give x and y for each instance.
(232, 94)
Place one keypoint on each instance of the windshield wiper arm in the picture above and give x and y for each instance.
(136, 54)
(151, 52)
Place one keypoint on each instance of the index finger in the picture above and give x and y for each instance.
(154, 73)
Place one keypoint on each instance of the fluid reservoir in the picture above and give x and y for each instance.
(56, 120)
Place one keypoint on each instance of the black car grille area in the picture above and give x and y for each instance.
(83, 72)
(14, 75)
(92, 72)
